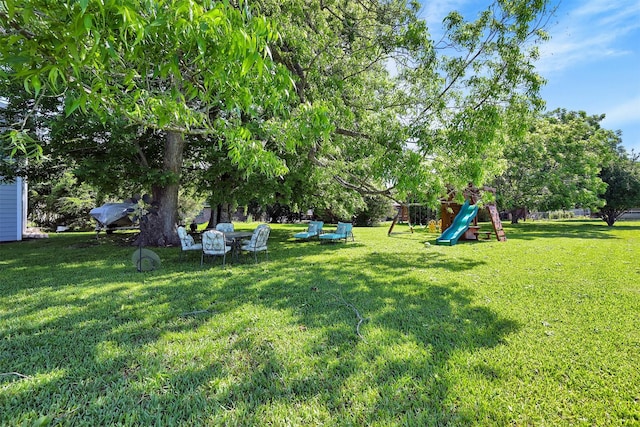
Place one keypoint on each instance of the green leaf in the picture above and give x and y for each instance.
(37, 85)
(247, 64)
(54, 73)
(88, 21)
(202, 45)
(73, 106)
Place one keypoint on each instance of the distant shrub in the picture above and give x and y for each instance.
(561, 214)
(378, 208)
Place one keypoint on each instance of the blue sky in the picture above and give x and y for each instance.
(591, 63)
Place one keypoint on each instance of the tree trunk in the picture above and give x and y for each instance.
(518, 213)
(514, 216)
(213, 219)
(610, 216)
(225, 212)
(221, 213)
(159, 227)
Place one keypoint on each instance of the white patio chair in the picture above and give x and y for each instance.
(258, 242)
(225, 227)
(213, 244)
(186, 242)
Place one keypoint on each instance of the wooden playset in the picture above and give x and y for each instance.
(449, 209)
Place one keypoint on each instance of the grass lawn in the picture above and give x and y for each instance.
(543, 329)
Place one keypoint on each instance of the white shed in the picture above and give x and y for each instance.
(13, 210)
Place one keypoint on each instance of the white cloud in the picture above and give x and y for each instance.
(585, 31)
(626, 112)
(434, 11)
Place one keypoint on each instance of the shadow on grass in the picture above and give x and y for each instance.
(212, 345)
(552, 230)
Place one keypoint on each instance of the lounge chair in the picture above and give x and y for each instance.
(186, 242)
(313, 230)
(344, 231)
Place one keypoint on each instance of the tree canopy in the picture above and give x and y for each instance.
(176, 66)
(408, 111)
(622, 176)
(335, 93)
(557, 164)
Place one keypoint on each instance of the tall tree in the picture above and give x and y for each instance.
(404, 109)
(622, 176)
(557, 164)
(177, 66)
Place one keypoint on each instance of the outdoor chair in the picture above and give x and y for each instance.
(258, 242)
(213, 244)
(186, 242)
(313, 230)
(344, 231)
(225, 227)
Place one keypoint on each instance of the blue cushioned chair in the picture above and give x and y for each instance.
(314, 230)
(344, 231)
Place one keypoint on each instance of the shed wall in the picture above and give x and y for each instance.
(11, 211)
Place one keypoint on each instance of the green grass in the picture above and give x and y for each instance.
(543, 329)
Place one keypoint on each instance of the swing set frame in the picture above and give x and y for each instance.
(403, 215)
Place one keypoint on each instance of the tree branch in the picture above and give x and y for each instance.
(351, 133)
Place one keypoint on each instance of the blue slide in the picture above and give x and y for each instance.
(460, 224)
